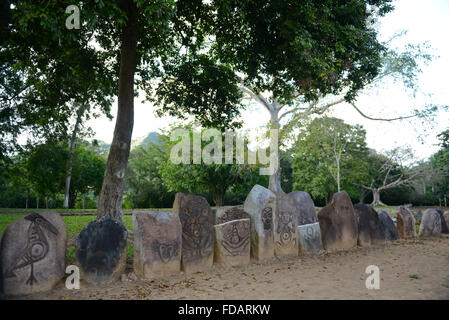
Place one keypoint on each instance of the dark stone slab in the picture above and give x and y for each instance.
(305, 208)
(101, 250)
(405, 223)
(387, 225)
(197, 222)
(368, 225)
(444, 226)
(32, 254)
(309, 237)
(338, 223)
(285, 226)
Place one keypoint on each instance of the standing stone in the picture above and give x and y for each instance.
(285, 226)
(368, 225)
(101, 250)
(387, 225)
(197, 222)
(405, 222)
(338, 223)
(32, 254)
(157, 243)
(444, 225)
(446, 217)
(260, 204)
(226, 214)
(309, 236)
(232, 243)
(304, 207)
(430, 224)
(417, 216)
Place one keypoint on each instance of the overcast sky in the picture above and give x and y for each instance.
(424, 21)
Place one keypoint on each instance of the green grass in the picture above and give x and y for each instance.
(74, 224)
(414, 276)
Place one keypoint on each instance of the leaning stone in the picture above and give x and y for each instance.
(430, 224)
(157, 243)
(285, 226)
(232, 243)
(338, 224)
(405, 223)
(388, 228)
(304, 207)
(309, 237)
(101, 251)
(32, 254)
(226, 214)
(444, 225)
(197, 222)
(368, 225)
(261, 205)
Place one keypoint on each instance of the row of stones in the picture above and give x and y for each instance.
(193, 237)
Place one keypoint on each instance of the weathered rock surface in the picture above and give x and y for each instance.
(446, 217)
(338, 223)
(309, 237)
(32, 254)
(405, 222)
(305, 208)
(388, 228)
(101, 251)
(444, 225)
(368, 225)
(261, 206)
(157, 243)
(197, 222)
(285, 226)
(430, 224)
(226, 214)
(232, 243)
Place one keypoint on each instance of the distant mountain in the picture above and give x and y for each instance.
(152, 137)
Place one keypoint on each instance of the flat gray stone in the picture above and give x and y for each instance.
(305, 208)
(157, 244)
(32, 254)
(309, 237)
(261, 206)
(285, 226)
(387, 226)
(430, 224)
(369, 226)
(405, 223)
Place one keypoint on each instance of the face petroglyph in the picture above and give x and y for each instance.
(285, 229)
(197, 236)
(236, 237)
(267, 218)
(166, 251)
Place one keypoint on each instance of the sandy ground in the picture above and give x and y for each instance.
(339, 275)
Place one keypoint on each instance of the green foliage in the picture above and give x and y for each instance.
(314, 164)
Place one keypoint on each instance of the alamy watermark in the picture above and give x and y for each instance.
(189, 150)
(373, 281)
(72, 21)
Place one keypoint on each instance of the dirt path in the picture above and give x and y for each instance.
(326, 276)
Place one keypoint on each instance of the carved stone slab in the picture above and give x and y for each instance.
(226, 214)
(387, 226)
(309, 237)
(32, 254)
(101, 250)
(338, 223)
(369, 226)
(157, 243)
(232, 243)
(305, 208)
(405, 223)
(197, 222)
(285, 226)
(260, 204)
(430, 224)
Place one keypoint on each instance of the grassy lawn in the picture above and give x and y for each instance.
(74, 224)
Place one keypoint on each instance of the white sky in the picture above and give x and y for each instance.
(424, 21)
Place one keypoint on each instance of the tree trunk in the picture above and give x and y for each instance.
(219, 196)
(275, 178)
(376, 198)
(363, 196)
(26, 200)
(338, 174)
(46, 202)
(37, 202)
(111, 195)
(68, 173)
(84, 201)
